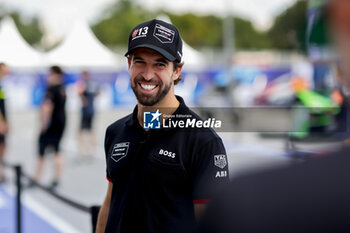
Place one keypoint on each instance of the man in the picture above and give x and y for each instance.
(311, 197)
(88, 90)
(53, 120)
(159, 179)
(4, 70)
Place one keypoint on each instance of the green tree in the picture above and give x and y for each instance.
(121, 19)
(288, 31)
(197, 31)
(247, 37)
(30, 30)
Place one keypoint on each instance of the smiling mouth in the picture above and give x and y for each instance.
(148, 87)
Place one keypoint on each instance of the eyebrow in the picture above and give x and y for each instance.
(138, 58)
(162, 60)
(157, 60)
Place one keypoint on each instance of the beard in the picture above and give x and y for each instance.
(150, 100)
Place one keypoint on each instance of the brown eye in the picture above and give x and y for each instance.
(160, 64)
(139, 62)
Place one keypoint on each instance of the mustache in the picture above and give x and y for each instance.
(143, 80)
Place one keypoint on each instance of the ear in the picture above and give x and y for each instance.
(129, 63)
(177, 72)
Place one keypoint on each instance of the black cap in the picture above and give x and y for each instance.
(159, 36)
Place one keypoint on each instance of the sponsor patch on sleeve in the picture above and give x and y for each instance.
(220, 161)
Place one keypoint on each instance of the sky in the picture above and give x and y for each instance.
(56, 16)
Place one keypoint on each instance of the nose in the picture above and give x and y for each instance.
(148, 73)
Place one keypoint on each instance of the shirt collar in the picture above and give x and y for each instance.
(182, 109)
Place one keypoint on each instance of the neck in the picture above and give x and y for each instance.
(167, 106)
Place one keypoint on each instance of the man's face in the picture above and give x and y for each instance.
(53, 78)
(151, 76)
(85, 76)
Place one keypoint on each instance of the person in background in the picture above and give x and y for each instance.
(4, 70)
(87, 90)
(310, 197)
(53, 121)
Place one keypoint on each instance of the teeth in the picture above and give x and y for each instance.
(148, 87)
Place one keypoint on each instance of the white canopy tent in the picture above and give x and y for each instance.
(192, 58)
(81, 49)
(14, 50)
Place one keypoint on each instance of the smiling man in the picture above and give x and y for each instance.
(159, 179)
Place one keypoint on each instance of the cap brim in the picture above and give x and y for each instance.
(162, 52)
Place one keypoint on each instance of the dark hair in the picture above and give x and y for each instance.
(56, 70)
(177, 65)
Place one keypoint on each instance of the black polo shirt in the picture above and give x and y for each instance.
(158, 175)
(2, 103)
(56, 94)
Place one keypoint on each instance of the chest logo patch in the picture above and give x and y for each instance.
(167, 153)
(120, 150)
(220, 161)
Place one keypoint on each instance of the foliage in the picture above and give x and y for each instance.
(30, 29)
(198, 31)
(116, 22)
(121, 19)
(289, 29)
(246, 36)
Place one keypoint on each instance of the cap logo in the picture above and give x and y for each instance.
(163, 34)
(135, 33)
(139, 32)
